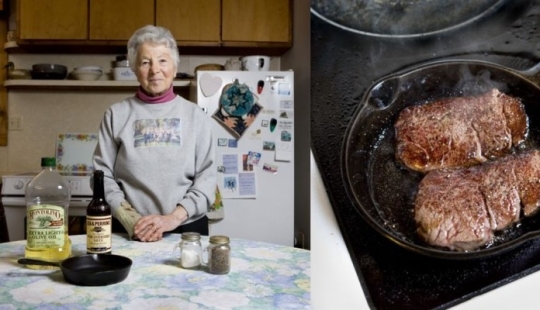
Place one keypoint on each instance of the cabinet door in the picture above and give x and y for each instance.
(190, 20)
(257, 20)
(118, 19)
(53, 19)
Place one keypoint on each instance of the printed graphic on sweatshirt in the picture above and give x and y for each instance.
(157, 132)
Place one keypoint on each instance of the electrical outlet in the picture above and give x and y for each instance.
(15, 122)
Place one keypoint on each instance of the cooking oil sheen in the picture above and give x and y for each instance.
(47, 234)
(54, 254)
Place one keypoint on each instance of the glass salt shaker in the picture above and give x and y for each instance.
(219, 255)
(190, 249)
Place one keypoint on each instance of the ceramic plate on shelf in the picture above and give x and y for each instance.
(74, 152)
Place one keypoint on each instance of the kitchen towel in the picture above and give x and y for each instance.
(215, 211)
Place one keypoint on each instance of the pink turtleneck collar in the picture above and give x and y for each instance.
(166, 97)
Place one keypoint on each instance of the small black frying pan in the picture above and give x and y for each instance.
(90, 269)
(381, 189)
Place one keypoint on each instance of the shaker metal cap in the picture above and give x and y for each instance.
(219, 239)
(191, 236)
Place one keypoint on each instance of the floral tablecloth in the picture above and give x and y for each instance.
(263, 276)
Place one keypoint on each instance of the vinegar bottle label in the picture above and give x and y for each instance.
(98, 234)
(45, 226)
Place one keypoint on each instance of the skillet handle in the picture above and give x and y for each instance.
(531, 71)
(531, 74)
(29, 261)
(381, 95)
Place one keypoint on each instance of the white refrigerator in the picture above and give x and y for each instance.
(253, 121)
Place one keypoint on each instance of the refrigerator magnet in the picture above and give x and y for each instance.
(247, 165)
(284, 89)
(222, 141)
(233, 143)
(254, 157)
(286, 104)
(273, 123)
(256, 135)
(286, 136)
(210, 84)
(270, 168)
(286, 114)
(269, 146)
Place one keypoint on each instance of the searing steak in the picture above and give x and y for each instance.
(461, 209)
(459, 132)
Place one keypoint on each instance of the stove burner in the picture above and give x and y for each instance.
(402, 18)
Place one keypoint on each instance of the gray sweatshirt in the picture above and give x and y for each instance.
(156, 156)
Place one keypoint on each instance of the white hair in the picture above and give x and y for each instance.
(155, 35)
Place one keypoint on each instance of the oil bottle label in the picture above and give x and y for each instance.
(98, 234)
(46, 226)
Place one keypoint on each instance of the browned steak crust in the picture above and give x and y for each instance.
(461, 209)
(459, 132)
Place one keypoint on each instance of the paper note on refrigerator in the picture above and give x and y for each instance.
(238, 178)
(284, 146)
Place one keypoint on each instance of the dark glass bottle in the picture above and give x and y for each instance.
(98, 220)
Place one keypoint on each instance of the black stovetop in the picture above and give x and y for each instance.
(343, 66)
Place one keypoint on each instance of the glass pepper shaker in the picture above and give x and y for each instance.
(219, 255)
(190, 250)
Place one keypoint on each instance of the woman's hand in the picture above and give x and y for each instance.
(150, 228)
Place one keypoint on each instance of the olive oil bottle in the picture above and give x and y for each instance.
(47, 204)
(98, 219)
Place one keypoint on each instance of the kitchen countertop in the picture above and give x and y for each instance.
(335, 284)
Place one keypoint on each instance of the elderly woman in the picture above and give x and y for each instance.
(156, 148)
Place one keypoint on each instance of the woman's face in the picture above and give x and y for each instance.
(155, 68)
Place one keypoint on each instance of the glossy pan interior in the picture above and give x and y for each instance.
(381, 189)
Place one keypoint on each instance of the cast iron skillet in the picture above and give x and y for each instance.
(381, 189)
(90, 269)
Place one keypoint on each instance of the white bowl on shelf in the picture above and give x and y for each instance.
(89, 68)
(86, 75)
(124, 74)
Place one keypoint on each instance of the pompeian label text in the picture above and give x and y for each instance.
(46, 226)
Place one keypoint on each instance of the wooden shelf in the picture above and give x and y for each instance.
(77, 84)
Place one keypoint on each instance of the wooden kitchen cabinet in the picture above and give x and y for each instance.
(52, 19)
(258, 21)
(209, 27)
(195, 22)
(118, 19)
(83, 19)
